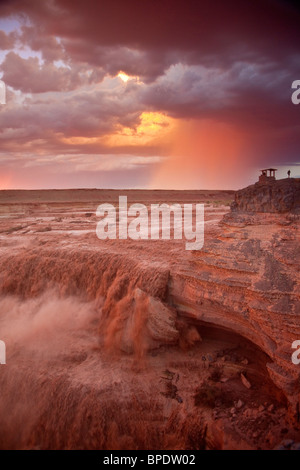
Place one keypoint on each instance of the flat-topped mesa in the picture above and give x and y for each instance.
(269, 195)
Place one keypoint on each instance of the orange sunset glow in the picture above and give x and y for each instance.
(198, 111)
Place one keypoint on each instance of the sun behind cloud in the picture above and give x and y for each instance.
(123, 76)
(152, 126)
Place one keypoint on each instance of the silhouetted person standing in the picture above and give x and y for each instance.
(289, 173)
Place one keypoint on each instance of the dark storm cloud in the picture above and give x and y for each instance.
(245, 93)
(28, 76)
(48, 119)
(228, 61)
(196, 31)
(49, 46)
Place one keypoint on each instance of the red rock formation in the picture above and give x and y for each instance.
(246, 280)
(274, 196)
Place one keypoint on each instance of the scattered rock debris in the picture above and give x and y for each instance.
(245, 381)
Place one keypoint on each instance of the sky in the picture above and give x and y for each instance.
(162, 94)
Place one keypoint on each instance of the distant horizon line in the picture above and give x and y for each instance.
(132, 189)
(112, 189)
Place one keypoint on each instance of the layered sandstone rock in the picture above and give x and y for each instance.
(274, 196)
(247, 281)
(246, 278)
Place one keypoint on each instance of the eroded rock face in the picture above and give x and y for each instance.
(246, 278)
(275, 196)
